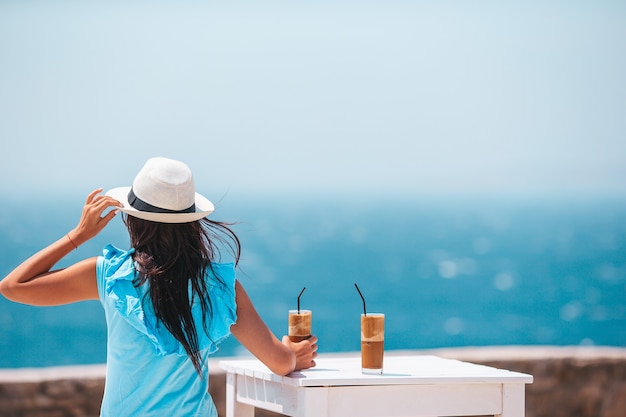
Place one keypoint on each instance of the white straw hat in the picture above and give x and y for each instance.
(164, 192)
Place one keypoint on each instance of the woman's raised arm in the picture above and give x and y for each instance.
(33, 282)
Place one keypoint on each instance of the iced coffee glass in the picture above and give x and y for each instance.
(299, 325)
(372, 343)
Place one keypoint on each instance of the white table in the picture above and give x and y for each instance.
(410, 386)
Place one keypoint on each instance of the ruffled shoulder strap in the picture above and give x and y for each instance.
(117, 273)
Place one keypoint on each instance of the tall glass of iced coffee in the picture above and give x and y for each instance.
(299, 325)
(372, 343)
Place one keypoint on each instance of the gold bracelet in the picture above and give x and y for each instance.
(71, 241)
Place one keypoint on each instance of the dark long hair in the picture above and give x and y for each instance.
(174, 258)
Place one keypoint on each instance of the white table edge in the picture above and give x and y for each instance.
(299, 378)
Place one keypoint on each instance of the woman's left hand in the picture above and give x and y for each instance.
(33, 282)
(93, 218)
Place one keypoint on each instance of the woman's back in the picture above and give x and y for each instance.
(148, 370)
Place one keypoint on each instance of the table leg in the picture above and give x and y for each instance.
(513, 401)
(233, 407)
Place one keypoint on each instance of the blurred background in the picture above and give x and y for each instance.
(463, 161)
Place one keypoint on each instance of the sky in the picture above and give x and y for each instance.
(407, 97)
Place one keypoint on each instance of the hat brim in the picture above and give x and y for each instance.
(203, 208)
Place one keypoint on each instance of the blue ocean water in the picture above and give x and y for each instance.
(445, 271)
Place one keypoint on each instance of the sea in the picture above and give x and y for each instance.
(447, 271)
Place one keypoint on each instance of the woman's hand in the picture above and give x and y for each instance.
(253, 333)
(93, 218)
(306, 351)
(33, 282)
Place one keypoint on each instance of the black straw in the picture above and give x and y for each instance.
(362, 298)
(300, 295)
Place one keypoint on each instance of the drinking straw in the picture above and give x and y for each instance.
(300, 295)
(362, 298)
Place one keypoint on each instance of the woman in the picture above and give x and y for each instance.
(167, 302)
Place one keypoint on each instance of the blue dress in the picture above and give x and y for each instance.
(148, 371)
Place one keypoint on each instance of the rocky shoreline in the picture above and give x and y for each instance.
(568, 382)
